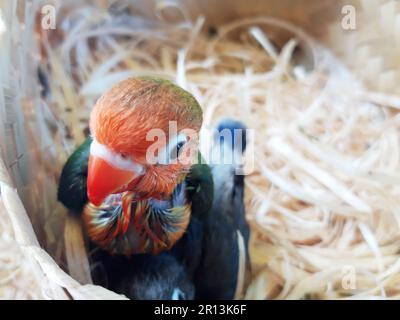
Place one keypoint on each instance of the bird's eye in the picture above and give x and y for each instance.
(179, 147)
(176, 150)
(124, 155)
(170, 153)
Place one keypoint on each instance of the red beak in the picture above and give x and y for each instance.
(104, 179)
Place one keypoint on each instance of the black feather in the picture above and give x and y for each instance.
(188, 249)
(142, 276)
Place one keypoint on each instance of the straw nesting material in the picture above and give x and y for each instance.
(16, 278)
(322, 200)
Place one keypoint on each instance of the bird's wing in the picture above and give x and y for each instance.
(200, 188)
(188, 249)
(72, 184)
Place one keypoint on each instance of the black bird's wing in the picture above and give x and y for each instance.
(225, 259)
(200, 189)
(188, 249)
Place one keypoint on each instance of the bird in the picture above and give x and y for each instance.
(128, 205)
(181, 217)
(224, 268)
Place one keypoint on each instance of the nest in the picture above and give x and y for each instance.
(322, 198)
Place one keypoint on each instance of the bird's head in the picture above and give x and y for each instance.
(135, 142)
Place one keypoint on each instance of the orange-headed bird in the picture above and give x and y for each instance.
(148, 194)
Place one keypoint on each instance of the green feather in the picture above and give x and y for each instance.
(72, 185)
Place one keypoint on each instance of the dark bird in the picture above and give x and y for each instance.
(224, 265)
